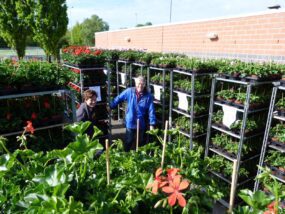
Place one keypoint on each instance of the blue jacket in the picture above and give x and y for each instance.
(142, 110)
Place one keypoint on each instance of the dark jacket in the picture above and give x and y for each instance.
(83, 113)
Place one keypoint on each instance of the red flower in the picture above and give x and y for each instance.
(9, 116)
(174, 191)
(158, 181)
(29, 127)
(97, 52)
(46, 104)
(34, 116)
(75, 70)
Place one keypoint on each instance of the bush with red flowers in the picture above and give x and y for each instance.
(83, 56)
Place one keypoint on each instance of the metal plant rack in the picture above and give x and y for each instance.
(193, 96)
(83, 86)
(133, 66)
(241, 136)
(266, 143)
(163, 101)
(65, 121)
(121, 87)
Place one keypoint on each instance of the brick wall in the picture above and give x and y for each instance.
(251, 37)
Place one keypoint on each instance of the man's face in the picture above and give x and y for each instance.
(140, 85)
(91, 102)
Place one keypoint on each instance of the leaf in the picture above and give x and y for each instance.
(5, 163)
(79, 127)
(53, 176)
(257, 200)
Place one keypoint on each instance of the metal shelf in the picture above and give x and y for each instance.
(266, 144)
(242, 136)
(253, 83)
(222, 154)
(36, 129)
(275, 116)
(12, 96)
(250, 111)
(84, 69)
(276, 148)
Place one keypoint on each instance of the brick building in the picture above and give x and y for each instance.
(259, 36)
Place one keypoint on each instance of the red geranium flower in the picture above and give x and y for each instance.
(158, 181)
(34, 116)
(97, 52)
(29, 127)
(46, 104)
(174, 191)
(9, 116)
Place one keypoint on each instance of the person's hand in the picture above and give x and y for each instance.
(151, 127)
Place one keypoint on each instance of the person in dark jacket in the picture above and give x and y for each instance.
(139, 106)
(86, 111)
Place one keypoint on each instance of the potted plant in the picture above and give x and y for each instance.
(280, 106)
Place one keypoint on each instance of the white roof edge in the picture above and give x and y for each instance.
(200, 20)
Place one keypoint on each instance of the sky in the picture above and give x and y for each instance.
(126, 13)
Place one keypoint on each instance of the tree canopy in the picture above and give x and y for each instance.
(49, 25)
(83, 34)
(13, 28)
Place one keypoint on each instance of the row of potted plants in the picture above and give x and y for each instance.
(276, 161)
(238, 98)
(31, 76)
(84, 56)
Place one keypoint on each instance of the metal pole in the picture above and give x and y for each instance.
(170, 13)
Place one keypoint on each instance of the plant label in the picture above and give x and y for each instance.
(98, 91)
(157, 92)
(230, 115)
(182, 101)
(123, 78)
(105, 71)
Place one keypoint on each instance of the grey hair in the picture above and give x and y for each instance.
(140, 79)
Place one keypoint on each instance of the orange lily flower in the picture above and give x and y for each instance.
(29, 127)
(171, 174)
(174, 190)
(158, 182)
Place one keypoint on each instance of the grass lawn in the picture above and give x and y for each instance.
(29, 51)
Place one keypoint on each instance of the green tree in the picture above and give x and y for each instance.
(49, 25)
(90, 26)
(142, 25)
(13, 28)
(75, 35)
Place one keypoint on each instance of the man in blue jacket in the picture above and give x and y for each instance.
(139, 106)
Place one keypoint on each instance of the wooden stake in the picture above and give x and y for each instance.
(138, 135)
(233, 187)
(107, 161)
(164, 143)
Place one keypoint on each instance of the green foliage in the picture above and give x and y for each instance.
(75, 36)
(275, 158)
(261, 202)
(71, 180)
(49, 24)
(83, 33)
(90, 26)
(13, 26)
(145, 24)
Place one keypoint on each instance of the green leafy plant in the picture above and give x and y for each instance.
(261, 202)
